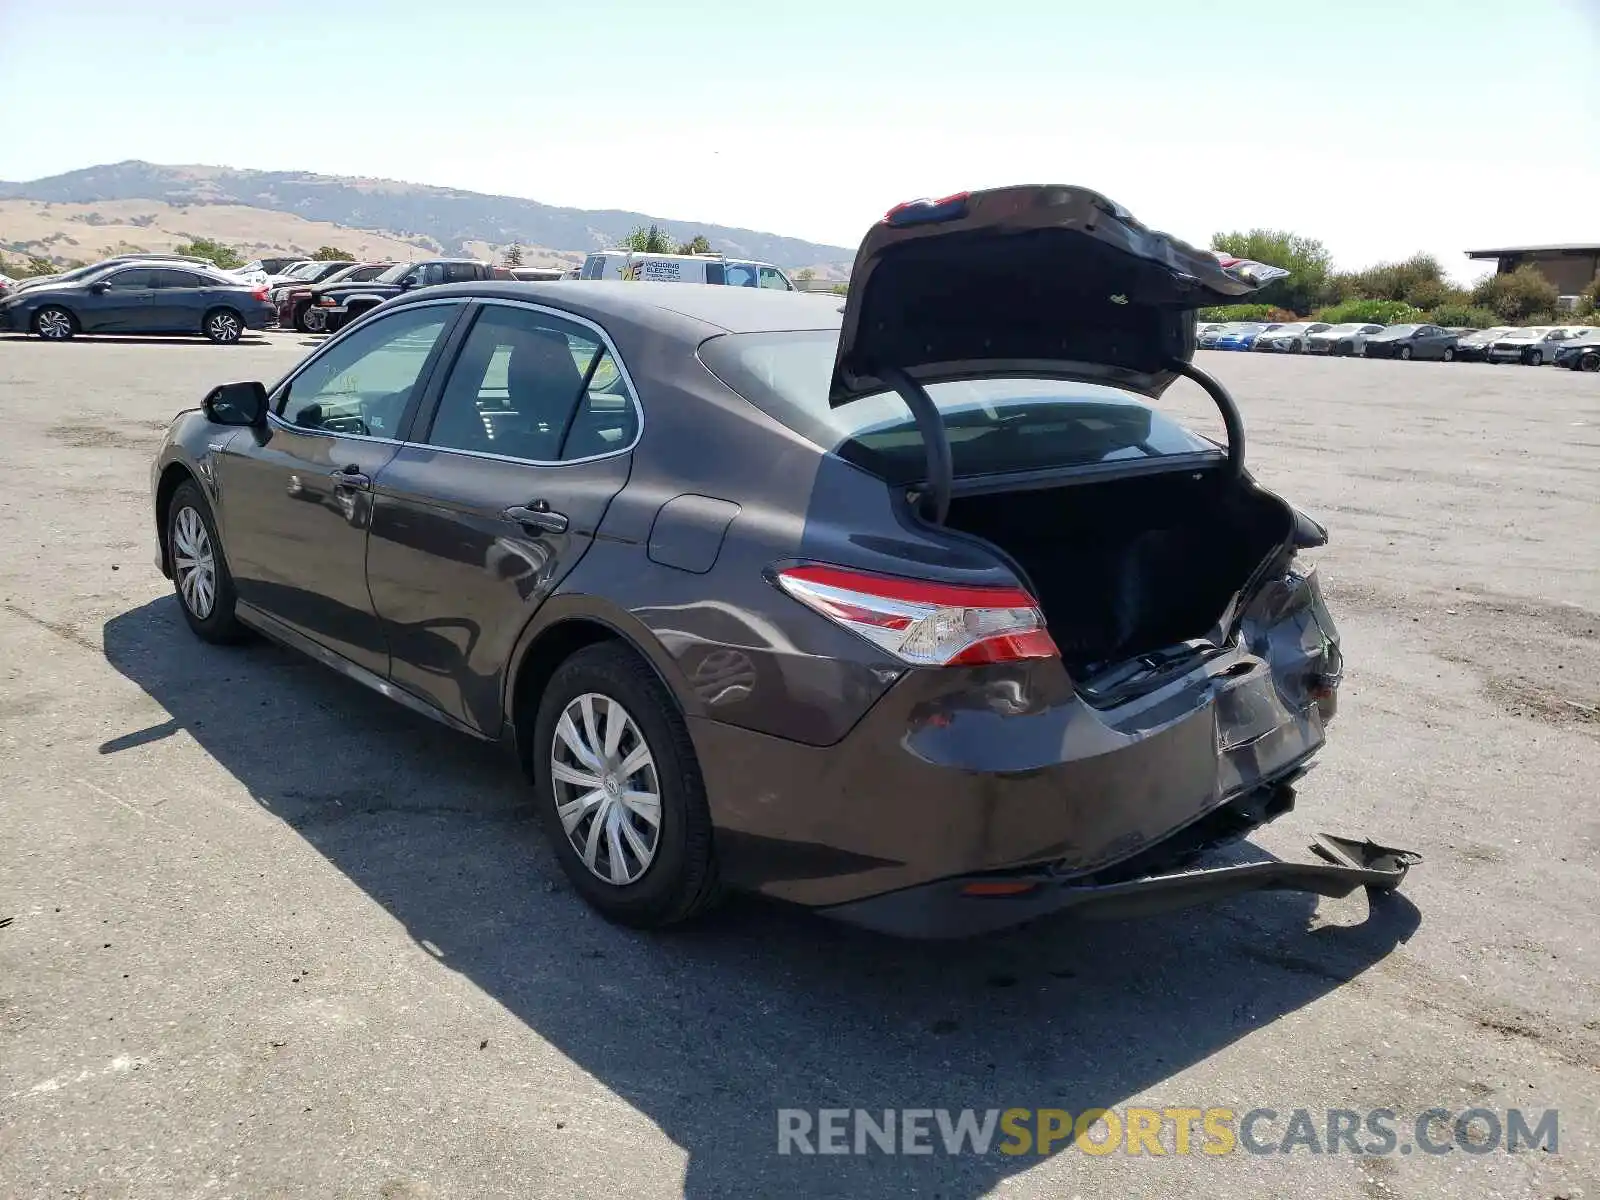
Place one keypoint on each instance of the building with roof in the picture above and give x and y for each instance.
(1570, 268)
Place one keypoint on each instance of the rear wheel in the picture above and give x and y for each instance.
(54, 323)
(1589, 362)
(310, 320)
(223, 325)
(620, 792)
(199, 574)
(1295, 347)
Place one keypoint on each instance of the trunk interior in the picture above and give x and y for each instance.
(1130, 566)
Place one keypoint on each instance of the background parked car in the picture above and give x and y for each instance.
(1412, 341)
(278, 265)
(307, 273)
(1243, 335)
(142, 297)
(344, 302)
(1533, 345)
(1474, 346)
(6, 284)
(1348, 338)
(1580, 353)
(295, 301)
(1289, 338)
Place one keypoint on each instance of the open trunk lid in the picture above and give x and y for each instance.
(1046, 281)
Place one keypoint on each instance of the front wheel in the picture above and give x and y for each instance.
(54, 323)
(311, 320)
(1535, 358)
(199, 574)
(620, 792)
(1295, 347)
(1405, 352)
(1589, 362)
(223, 325)
(1449, 354)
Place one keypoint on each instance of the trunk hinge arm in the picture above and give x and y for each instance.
(935, 497)
(1231, 421)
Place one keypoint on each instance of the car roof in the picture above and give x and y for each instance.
(662, 305)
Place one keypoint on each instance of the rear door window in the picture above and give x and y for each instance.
(995, 426)
(594, 267)
(460, 272)
(175, 279)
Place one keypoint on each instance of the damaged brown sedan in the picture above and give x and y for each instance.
(912, 608)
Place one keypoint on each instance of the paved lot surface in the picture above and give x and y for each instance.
(270, 936)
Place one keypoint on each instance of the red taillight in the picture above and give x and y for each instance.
(260, 293)
(920, 212)
(927, 624)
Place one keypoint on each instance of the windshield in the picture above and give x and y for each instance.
(394, 273)
(995, 425)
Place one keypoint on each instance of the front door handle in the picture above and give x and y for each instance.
(538, 515)
(352, 477)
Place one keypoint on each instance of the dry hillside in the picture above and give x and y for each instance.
(86, 232)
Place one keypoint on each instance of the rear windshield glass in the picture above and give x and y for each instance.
(996, 426)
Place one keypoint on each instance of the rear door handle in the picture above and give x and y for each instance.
(538, 515)
(352, 477)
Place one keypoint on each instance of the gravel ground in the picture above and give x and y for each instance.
(267, 935)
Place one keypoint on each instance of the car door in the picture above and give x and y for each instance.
(123, 302)
(494, 498)
(1431, 341)
(176, 301)
(296, 496)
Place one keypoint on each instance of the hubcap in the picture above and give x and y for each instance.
(54, 324)
(607, 793)
(225, 328)
(314, 320)
(194, 563)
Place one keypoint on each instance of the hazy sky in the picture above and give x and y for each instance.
(1379, 126)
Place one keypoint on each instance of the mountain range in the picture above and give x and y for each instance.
(456, 221)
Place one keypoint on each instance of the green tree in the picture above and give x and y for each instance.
(1469, 315)
(653, 240)
(698, 244)
(1516, 296)
(805, 274)
(224, 256)
(1306, 259)
(332, 254)
(1375, 312)
(513, 255)
(38, 265)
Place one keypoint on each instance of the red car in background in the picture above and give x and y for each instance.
(294, 303)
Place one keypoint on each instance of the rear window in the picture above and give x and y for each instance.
(996, 426)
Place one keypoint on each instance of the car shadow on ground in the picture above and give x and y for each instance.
(708, 1031)
(254, 337)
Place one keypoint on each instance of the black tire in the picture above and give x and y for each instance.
(1405, 352)
(681, 879)
(222, 325)
(1589, 362)
(303, 319)
(1449, 354)
(219, 624)
(1534, 358)
(52, 323)
(1295, 348)
(1345, 349)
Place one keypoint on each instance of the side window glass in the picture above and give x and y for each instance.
(714, 273)
(740, 275)
(607, 419)
(515, 388)
(460, 272)
(124, 281)
(771, 277)
(363, 383)
(174, 279)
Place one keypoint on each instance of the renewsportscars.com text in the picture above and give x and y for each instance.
(1163, 1131)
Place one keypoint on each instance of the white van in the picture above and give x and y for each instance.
(683, 268)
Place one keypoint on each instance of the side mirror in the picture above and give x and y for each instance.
(236, 404)
(100, 287)
(407, 283)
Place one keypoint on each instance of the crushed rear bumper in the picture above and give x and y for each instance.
(965, 907)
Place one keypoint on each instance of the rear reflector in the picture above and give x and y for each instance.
(997, 887)
(926, 624)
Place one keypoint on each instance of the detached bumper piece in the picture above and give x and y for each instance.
(964, 907)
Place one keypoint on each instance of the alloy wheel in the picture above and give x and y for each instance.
(224, 327)
(194, 562)
(1535, 359)
(54, 325)
(607, 791)
(314, 320)
(1405, 351)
